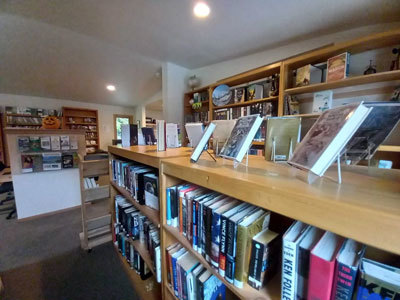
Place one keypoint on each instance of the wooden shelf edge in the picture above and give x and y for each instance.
(171, 292)
(356, 80)
(152, 214)
(247, 103)
(388, 148)
(246, 292)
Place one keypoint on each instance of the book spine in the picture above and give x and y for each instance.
(180, 213)
(184, 285)
(345, 277)
(199, 228)
(215, 239)
(289, 255)
(169, 218)
(256, 264)
(208, 233)
(231, 252)
(184, 216)
(179, 278)
(204, 231)
(175, 276)
(240, 255)
(174, 206)
(222, 247)
(189, 221)
(320, 279)
(195, 207)
(303, 263)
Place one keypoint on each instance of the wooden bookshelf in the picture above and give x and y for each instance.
(350, 209)
(147, 155)
(247, 103)
(74, 117)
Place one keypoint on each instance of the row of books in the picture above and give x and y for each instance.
(198, 116)
(189, 279)
(46, 143)
(24, 121)
(217, 226)
(40, 112)
(258, 90)
(168, 135)
(322, 265)
(87, 127)
(235, 238)
(200, 97)
(131, 225)
(139, 180)
(233, 113)
(48, 161)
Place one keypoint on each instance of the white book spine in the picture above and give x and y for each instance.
(289, 255)
(158, 263)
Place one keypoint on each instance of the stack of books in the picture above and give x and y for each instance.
(131, 225)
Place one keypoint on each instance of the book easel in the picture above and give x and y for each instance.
(273, 150)
(204, 150)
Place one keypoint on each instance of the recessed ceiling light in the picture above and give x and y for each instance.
(201, 10)
(110, 87)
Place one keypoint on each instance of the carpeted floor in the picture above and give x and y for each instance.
(41, 259)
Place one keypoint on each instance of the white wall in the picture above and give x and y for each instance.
(105, 112)
(212, 73)
(173, 87)
(155, 114)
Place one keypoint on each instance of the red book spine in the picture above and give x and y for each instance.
(320, 278)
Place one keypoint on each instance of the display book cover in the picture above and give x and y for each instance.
(241, 137)
(322, 266)
(375, 129)
(213, 289)
(161, 135)
(347, 263)
(150, 181)
(328, 136)
(338, 67)
(149, 137)
(285, 133)
(194, 132)
(378, 281)
(201, 146)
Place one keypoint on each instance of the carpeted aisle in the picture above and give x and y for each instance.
(35, 272)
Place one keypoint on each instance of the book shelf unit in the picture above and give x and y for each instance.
(79, 118)
(365, 207)
(147, 155)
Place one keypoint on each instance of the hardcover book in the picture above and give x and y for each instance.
(149, 137)
(378, 281)
(45, 143)
(283, 134)
(322, 266)
(161, 135)
(241, 137)
(309, 239)
(375, 129)
(213, 289)
(194, 132)
(264, 259)
(338, 67)
(308, 74)
(247, 229)
(221, 133)
(172, 135)
(129, 135)
(347, 262)
(151, 190)
(328, 136)
(201, 146)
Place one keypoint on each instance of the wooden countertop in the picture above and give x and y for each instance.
(148, 154)
(364, 207)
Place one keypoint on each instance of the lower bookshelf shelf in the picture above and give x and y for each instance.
(271, 292)
(152, 214)
(146, 289)
(144, 253)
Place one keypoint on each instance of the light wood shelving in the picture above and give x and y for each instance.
(247, 103)
(350, 209)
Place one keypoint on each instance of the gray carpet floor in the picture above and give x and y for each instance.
(42, 259)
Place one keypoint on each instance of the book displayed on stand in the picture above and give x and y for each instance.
(338, 67)
(172, 135)
(328, 136)
(129, 135)
(308, 74)
(241, 138)
(148, 135)
(201, 146)
(194, 132)
(322, 101)
(221, 133)
(161, 135)
(283, 134)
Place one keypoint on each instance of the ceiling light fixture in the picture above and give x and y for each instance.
(110, 87)
(201, 10)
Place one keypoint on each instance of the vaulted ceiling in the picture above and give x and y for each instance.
(72, 49)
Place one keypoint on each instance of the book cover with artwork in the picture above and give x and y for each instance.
(338, 67)
(322, 101)
(241, 137)
(328, 136)
(23, 144)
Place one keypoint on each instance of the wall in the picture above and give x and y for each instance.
(105, 112)
(173, 87)
(212, 73)
(155, 114)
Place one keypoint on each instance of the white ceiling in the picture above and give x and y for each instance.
(71, 49)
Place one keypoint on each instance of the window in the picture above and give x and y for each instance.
(120, 120)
